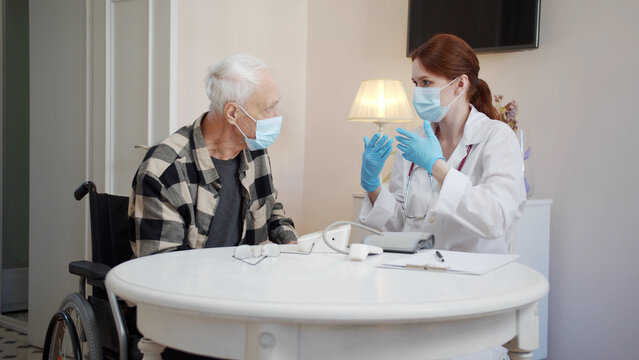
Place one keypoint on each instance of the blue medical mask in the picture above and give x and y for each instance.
(266, 132)
(426, 101)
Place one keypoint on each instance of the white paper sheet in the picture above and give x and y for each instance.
(454, 261)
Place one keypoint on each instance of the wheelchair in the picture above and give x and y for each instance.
(85, 327)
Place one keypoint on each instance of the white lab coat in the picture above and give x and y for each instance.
(475, 209)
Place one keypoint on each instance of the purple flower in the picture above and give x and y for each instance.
(508, 113)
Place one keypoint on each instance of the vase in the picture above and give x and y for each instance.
(524, 141)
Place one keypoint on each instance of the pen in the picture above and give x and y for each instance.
(439, 256)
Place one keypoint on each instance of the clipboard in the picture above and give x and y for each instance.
(453, 261)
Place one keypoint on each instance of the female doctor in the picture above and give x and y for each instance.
(459, 176)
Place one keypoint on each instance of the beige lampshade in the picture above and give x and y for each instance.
(381, 101)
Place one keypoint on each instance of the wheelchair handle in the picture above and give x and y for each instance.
(84, 189)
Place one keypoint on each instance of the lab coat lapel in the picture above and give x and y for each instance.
(474, 134)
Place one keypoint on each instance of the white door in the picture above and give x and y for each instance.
(101, 83)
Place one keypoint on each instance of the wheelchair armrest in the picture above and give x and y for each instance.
(89, 270)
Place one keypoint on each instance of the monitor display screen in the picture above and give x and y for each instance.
(486, 25)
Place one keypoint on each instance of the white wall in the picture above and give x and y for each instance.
(272, 30)
(576, 97)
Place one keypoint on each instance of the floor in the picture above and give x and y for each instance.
(14, 345)
(18, 315)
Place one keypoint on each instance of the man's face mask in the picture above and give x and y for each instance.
(426, 101)
(266, 132)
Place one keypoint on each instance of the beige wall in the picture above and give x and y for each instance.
(272, 30)
(575, 93)
(348, 41)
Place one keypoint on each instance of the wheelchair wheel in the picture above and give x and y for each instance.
(61, 341)
(81, 313)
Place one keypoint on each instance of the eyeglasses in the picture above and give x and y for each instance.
(415, 215)
(254, 254)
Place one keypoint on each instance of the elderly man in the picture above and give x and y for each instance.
(210, 184)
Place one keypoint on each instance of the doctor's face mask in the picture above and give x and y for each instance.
(427, 102)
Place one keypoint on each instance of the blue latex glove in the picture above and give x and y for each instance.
(376, 152)
(422, 151)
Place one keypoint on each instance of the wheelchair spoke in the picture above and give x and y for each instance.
(79, 325)
(62, 348)
(73, 332)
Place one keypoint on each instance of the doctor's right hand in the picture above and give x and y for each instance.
(423, 151)
(376, 151)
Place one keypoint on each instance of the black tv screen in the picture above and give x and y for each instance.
(486, 25)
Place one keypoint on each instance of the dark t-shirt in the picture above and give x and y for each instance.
(226, 225)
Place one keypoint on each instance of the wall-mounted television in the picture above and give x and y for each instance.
(486, 25)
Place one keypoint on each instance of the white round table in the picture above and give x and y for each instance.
(324, 306)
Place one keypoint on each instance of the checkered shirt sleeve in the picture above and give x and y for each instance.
(174, 197)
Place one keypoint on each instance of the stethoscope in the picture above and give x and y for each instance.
(432, 186)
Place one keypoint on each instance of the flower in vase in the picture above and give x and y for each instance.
(507, 113)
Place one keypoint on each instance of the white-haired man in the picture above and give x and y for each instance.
(210, 184)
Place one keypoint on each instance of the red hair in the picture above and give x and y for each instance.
(449, 56)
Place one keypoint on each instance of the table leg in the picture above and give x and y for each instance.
(270, 341)
(150, 349)
(520, 356)
(527, 338)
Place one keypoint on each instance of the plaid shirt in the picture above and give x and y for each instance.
(175, 194)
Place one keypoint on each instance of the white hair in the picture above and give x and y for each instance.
(233, 79)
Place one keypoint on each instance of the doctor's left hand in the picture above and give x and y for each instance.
(419, 150)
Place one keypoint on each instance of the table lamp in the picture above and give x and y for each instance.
(381, 101)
